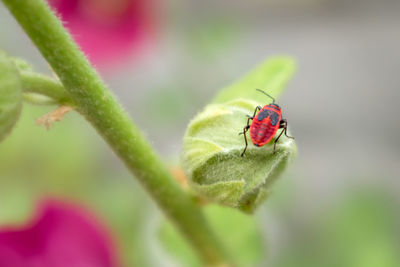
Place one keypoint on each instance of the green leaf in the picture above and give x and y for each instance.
(240, 234)
(212, 147)
(10, 95)
(271, 76)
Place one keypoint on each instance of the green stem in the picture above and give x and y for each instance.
(44, 85)
(96, 103)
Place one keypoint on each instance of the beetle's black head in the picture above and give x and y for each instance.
(275, 105)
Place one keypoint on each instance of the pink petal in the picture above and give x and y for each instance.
(107, 30)
(63, 235)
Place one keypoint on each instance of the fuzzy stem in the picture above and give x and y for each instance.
(96, 103)
(44, 85)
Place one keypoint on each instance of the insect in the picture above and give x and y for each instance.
(265, 124)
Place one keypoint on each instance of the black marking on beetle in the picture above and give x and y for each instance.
(263, 114)
(274, 118)
(274, 106)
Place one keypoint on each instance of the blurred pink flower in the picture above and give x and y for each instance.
(107, 30)
(62, 236)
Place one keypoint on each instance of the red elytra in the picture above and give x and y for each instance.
(265, 124)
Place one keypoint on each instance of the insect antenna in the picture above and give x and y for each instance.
(273, 99)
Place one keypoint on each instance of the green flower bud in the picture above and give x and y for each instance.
(212, 147)
(10, 95)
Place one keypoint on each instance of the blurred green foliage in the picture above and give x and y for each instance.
(209, 40)
(361, 230)
(168, 105)
(239, 233)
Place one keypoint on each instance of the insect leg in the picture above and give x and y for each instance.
(283, 124)
(257, 109)
(276, 140)
(254, 114)
(247, 125)
(246, 128)
(250, 118)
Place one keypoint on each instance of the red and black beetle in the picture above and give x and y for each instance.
(265, 124)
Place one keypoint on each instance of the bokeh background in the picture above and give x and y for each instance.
(338, 205)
